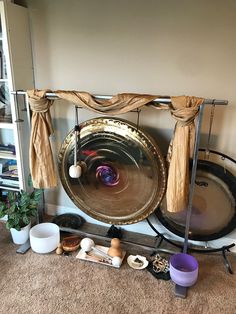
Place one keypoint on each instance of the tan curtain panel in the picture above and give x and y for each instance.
(41, 160)
(184, 109)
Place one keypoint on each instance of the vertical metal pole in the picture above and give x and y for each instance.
(179, 290)
(76, 115)
(78, 148)
(193, 176)
(76, 136)
(27, 109)
(18, 119)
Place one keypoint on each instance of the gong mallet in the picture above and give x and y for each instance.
(75, 170)
(88, 245)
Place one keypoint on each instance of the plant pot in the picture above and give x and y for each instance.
(20, 237)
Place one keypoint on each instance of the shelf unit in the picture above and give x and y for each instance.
(16, 73)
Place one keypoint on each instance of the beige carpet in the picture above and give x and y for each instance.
(34, 283)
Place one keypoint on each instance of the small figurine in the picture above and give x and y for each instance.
(115, 249)
(59, 249)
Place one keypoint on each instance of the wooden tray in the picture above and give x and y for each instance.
(96, 257)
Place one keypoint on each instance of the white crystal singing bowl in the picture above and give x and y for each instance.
(44, 237)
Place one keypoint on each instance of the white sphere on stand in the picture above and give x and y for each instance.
(87, 244)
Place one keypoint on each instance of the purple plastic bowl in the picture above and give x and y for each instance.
(183, 269)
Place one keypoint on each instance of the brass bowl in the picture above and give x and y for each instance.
(125, 179)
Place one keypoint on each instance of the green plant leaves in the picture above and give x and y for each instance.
(12, 209)
(15, 218)
(26, 219)
(36, 195)
(2, 210)
(8, 224)
(11, 196)
(20, 207)
(11, 224)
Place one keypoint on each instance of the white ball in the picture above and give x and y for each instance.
(87, 244)
(75, 171)
(116, 261)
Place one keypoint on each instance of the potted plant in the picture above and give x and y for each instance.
(19, 207)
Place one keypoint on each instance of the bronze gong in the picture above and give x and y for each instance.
(125, 179)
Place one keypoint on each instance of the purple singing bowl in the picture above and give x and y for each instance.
(183, 269)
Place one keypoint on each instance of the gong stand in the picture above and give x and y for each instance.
(179, 291)
(223, 249)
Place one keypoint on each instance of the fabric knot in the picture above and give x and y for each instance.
(185, 116)
(40, 105)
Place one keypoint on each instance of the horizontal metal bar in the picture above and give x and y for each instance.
(215, 102)
(165, 99)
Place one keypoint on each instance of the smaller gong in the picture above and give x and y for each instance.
(214, 205)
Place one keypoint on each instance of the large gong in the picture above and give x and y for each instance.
(214, 209)
(125, 179)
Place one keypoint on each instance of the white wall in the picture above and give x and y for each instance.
(157, 47)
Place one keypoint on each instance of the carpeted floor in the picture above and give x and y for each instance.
(35, 283)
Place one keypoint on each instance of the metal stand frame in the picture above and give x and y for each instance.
(223, 249)
(179, 291)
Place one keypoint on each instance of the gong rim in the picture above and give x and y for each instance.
(230, 181)
(128, 132)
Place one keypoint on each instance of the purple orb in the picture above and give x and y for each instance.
(107, 175)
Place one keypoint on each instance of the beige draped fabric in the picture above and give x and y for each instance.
(41, 160)
(184, 109)
(118, 104)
